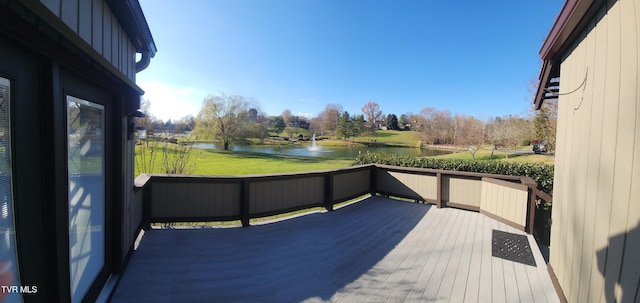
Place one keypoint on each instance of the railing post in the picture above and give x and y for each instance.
(244, 200)
(531, 210)
(328, 191)
(373, 180)
(146, 204)
(439, 189)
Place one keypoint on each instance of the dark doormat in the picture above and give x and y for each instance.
(512, 247)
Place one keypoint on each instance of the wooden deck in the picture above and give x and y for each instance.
(376, 250)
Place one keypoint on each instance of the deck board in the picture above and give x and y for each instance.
(376, 250)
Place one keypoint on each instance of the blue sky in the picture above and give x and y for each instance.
(469, 57)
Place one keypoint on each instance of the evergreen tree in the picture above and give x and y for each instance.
(392, 122)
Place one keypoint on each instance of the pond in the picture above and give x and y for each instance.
(338, 152)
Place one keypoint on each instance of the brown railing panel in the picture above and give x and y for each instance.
(462, 191)
(136, 209)
(194, 198)
(505, 200)
(276, 195)
(421, 186)
(351, 183)
(191, 198)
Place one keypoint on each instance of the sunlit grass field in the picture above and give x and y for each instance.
(229, 163)
(216, 162)
(408, 138)
(234, 163)
(485, 155)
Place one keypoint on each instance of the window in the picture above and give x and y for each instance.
(86, 154)
(8, 255)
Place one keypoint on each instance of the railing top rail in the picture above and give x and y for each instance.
(143, 179)
(543, 195)
(453, 172)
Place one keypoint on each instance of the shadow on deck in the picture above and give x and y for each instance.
(378, 249)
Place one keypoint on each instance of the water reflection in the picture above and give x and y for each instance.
(338, 152)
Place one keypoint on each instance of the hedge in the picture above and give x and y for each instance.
(541, 173)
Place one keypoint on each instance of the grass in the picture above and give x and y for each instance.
(216, 162)
(406, 138)
(485, 155)
(228, 163)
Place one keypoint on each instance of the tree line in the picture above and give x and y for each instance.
(231, 119)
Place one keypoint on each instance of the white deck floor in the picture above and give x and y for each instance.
(377, 250)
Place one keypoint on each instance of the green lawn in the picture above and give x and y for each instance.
(485, 154)
(228, 163)
(244, 163)
(408, 138)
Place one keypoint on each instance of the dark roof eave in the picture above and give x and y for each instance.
(570, 16)
(131, 17)
(545, 74)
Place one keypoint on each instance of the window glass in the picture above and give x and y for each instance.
(8, 255)
(85, 130)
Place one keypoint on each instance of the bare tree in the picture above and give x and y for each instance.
(146, 122)
(507, 131)
(372, 113)
(173, 159)
(469, 133)
(436, 125)
(177, 159)
(330, 117)
(545, 120)
(545, 123)
(315, 125)
(287, 116)
(223, 118)
(184, 124)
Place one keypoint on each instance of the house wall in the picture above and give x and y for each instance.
(595, 237)
(94, 22)
(52, 50)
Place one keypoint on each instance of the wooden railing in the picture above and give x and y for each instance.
(171, 198)
(505, 198)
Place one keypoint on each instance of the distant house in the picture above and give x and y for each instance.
(592, 66)
(253, 115)
(300, 122)
(67, 101)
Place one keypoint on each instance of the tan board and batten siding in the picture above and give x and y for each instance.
(505, 200)
(423, 186)
(462, 191)
(502, 199)
(595, 237)
(95, 23)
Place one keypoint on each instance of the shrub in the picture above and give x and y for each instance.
(165, 158)
(541, 173)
